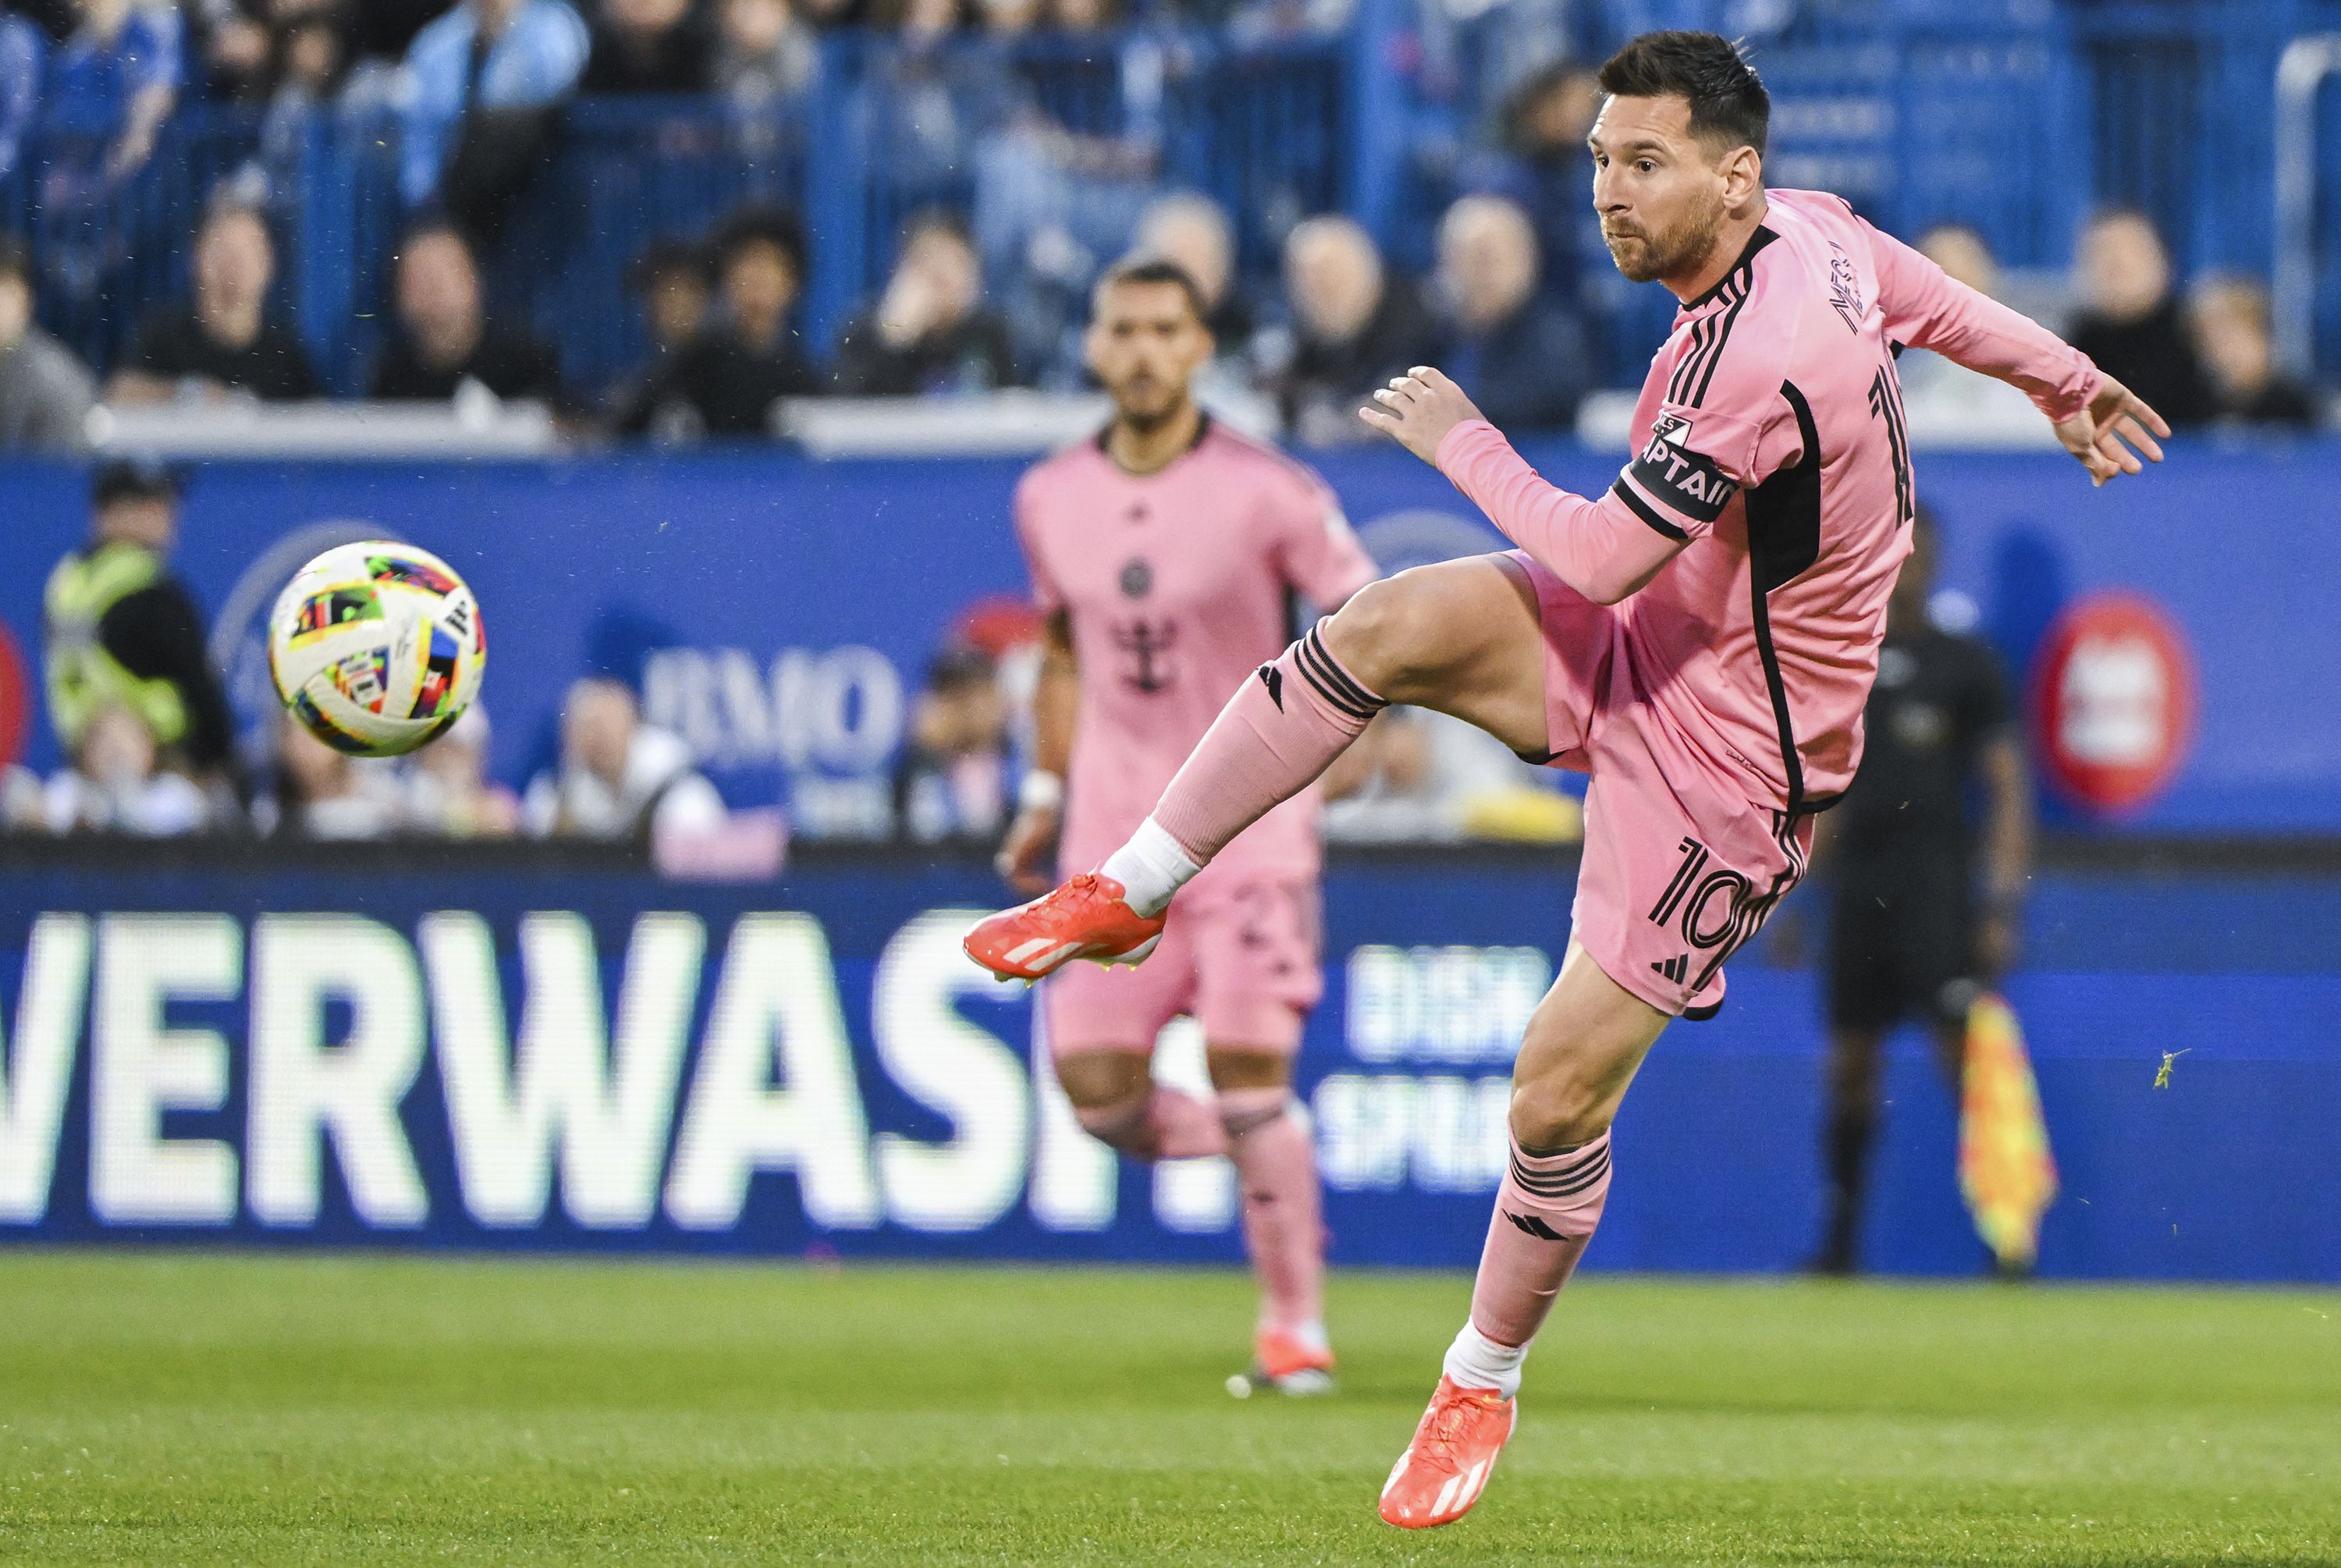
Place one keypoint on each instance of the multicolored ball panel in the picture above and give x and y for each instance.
(377, 646)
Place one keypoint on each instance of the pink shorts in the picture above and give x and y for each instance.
(1240, 957)
(1679, 869)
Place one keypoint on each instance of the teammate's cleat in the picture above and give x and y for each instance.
(1445, 1468)
(1085, 918)
(1284, 1364)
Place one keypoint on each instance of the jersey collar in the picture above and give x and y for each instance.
(1743, 268)
(1105, 431)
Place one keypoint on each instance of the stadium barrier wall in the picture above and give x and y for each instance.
(516, 1058)
(778, 611)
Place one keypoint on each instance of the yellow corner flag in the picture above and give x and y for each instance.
(2005, 1171)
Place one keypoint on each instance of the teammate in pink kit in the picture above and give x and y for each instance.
(1700, 639)
(1166, 554)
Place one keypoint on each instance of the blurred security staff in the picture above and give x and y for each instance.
(120, 630)
(1926, 907)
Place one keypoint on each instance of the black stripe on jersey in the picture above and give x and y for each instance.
(1677, 387)
(1648, 514)
(1784, 539)
(1690, 390)
(1722, 335)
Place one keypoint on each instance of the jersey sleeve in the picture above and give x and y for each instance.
(1316, 550)
(1046, 594)
(1605, 548)
(1927, 308)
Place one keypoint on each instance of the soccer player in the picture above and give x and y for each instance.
(1700, 639)
(1923, 908)
(1166, 554)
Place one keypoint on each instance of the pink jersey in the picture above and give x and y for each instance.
(1760, 525)
(1179, 584)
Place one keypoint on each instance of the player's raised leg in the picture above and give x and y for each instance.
(1582, 1047)
(1461, 637)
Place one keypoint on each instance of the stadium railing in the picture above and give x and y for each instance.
(2008, 114)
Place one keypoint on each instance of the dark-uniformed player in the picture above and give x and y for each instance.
(120, 630)
(1925, 860)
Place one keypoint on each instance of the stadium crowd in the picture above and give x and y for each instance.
(1518, 300)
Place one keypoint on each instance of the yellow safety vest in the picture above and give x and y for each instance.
(83, 677)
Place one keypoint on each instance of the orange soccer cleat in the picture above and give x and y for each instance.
(1445, 1468)
(1088, 918)
(1285, 1362)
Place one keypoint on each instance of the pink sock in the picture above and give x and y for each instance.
(1163, 1125)
(1283, 1220)
(1280, 729)
(1546, 1211)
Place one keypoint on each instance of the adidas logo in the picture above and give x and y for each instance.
(1534, 1226)
(1676, 969)
(1273, 678)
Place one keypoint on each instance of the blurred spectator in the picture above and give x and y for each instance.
(726, 380)
(117, 77)
(24, 55)
(327, 795)
(1193, 229)
(2231, 317)
(1940, 394)
(45, 393)
(671, 288)
(23, 801)
(2130, 322)
(764, 53)
(928, 333)
(827, 16)
(1354, 328)
(445, 341)
(1542, 164)
(119, 631)
(619, 779)
(482, 86)
(1521, 359)
(1419, 777)
(386, 29)
(646, 46)
(952, 782)
(221, 341)
(449, 794)
(116, 784)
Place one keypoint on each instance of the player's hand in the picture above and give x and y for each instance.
(1025, 855)
(2098, 434)
(1418, 409)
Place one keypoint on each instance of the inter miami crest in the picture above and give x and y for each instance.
(1137, 578)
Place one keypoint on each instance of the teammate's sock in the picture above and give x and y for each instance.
(1150, 867)
(1162, 1124)
(1284, 1228)
(1474, 1361)
(1279, 731)
(1546, 1211)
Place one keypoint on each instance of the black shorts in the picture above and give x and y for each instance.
(1902, 941)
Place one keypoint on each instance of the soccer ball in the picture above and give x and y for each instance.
(376, 648)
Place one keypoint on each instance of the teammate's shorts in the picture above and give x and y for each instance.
(1677, 873)
(1240, 957)
(1902, 940)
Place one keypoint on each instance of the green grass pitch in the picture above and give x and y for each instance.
(197, 1408)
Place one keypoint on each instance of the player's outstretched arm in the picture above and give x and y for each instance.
(2102, 433)
(1598, 547)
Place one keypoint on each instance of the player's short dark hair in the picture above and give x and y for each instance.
(1728, 106)
(762, 225)
(1155, 270)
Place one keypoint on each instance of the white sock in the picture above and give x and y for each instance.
(1474, 1361)
(1150, 867)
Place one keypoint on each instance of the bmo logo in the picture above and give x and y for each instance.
(2114, 701)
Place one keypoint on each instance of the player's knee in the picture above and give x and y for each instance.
(1391, 635)
(1104, 1082)
(1560, 1110)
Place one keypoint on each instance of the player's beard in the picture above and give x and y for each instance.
(1146, 413)
(1645, 257)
